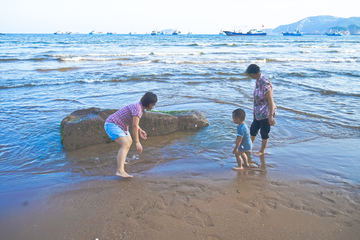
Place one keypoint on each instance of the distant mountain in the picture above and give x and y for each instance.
(321, 24)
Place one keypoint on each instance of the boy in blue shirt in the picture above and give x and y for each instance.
(243, 142)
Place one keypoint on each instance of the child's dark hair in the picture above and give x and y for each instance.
(239, 113)
(253, 68)
(148, 99)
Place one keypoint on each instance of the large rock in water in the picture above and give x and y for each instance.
(86, 127)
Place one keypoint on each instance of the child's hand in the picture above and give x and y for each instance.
(143, 134)
(235, 151)
(139, 147)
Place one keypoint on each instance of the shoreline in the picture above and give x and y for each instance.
(200, 203)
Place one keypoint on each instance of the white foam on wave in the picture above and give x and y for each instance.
(334, 60)
(214, 62)
(347, 51)
(135, 63)
(77, 59)
(202, 44)
(306, 46)
(176, 53)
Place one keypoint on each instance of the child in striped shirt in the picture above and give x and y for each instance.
(117, 127)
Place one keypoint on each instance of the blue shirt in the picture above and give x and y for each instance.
(246, 143)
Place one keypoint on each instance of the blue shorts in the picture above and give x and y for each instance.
(114, 131)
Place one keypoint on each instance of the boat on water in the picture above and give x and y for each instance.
(154, 32)
(335, 33)
(222, 33)
(176, 32)
(59, 32)
(2, 33)
(295, 33)
(95, 32)
(71, 33)
(250, 33)
(111, 33)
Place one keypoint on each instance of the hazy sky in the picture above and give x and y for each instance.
(141, 16)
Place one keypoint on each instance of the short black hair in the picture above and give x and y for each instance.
(148, 99)
(253, 68)
(239, 113)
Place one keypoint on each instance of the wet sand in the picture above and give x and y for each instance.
(274, 201)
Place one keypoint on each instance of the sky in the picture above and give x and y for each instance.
(142, 16)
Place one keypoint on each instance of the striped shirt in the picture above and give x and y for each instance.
(124, 117)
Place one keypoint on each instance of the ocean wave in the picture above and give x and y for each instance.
(9, 59)
(224, 45)
(200, 44)
(25, 59)
(227, 73)
(66, 100)
(343, 51)
(58, 69)
(333, 60)
(175, 53)
(301, 112)
(273, 45)
(112, 57)
(332, 92)
(306, 46)
(220, 53)
(196, 74)
(213, 62)
(79, 59)
(135, 63)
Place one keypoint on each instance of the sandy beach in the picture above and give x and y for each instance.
(273, 201)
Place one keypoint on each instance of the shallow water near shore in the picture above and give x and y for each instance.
(46, 77)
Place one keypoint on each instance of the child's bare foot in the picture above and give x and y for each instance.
(123, 174)
(246, 165)
(237, 168)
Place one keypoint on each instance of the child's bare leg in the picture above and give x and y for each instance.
(125, 143)
(244, 157)
(238, 159)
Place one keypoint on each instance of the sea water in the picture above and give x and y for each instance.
(45, 77)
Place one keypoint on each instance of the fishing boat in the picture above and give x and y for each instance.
(176, 32)
(58, 32)
(111, 33)
(250, 33)
(95, 32)
(222, 32)
(154, 32)
(335, 33)
(295, 33)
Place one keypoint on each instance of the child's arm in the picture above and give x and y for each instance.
(142, 133)
(135, 126)
(270, 100)
(237, 144)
